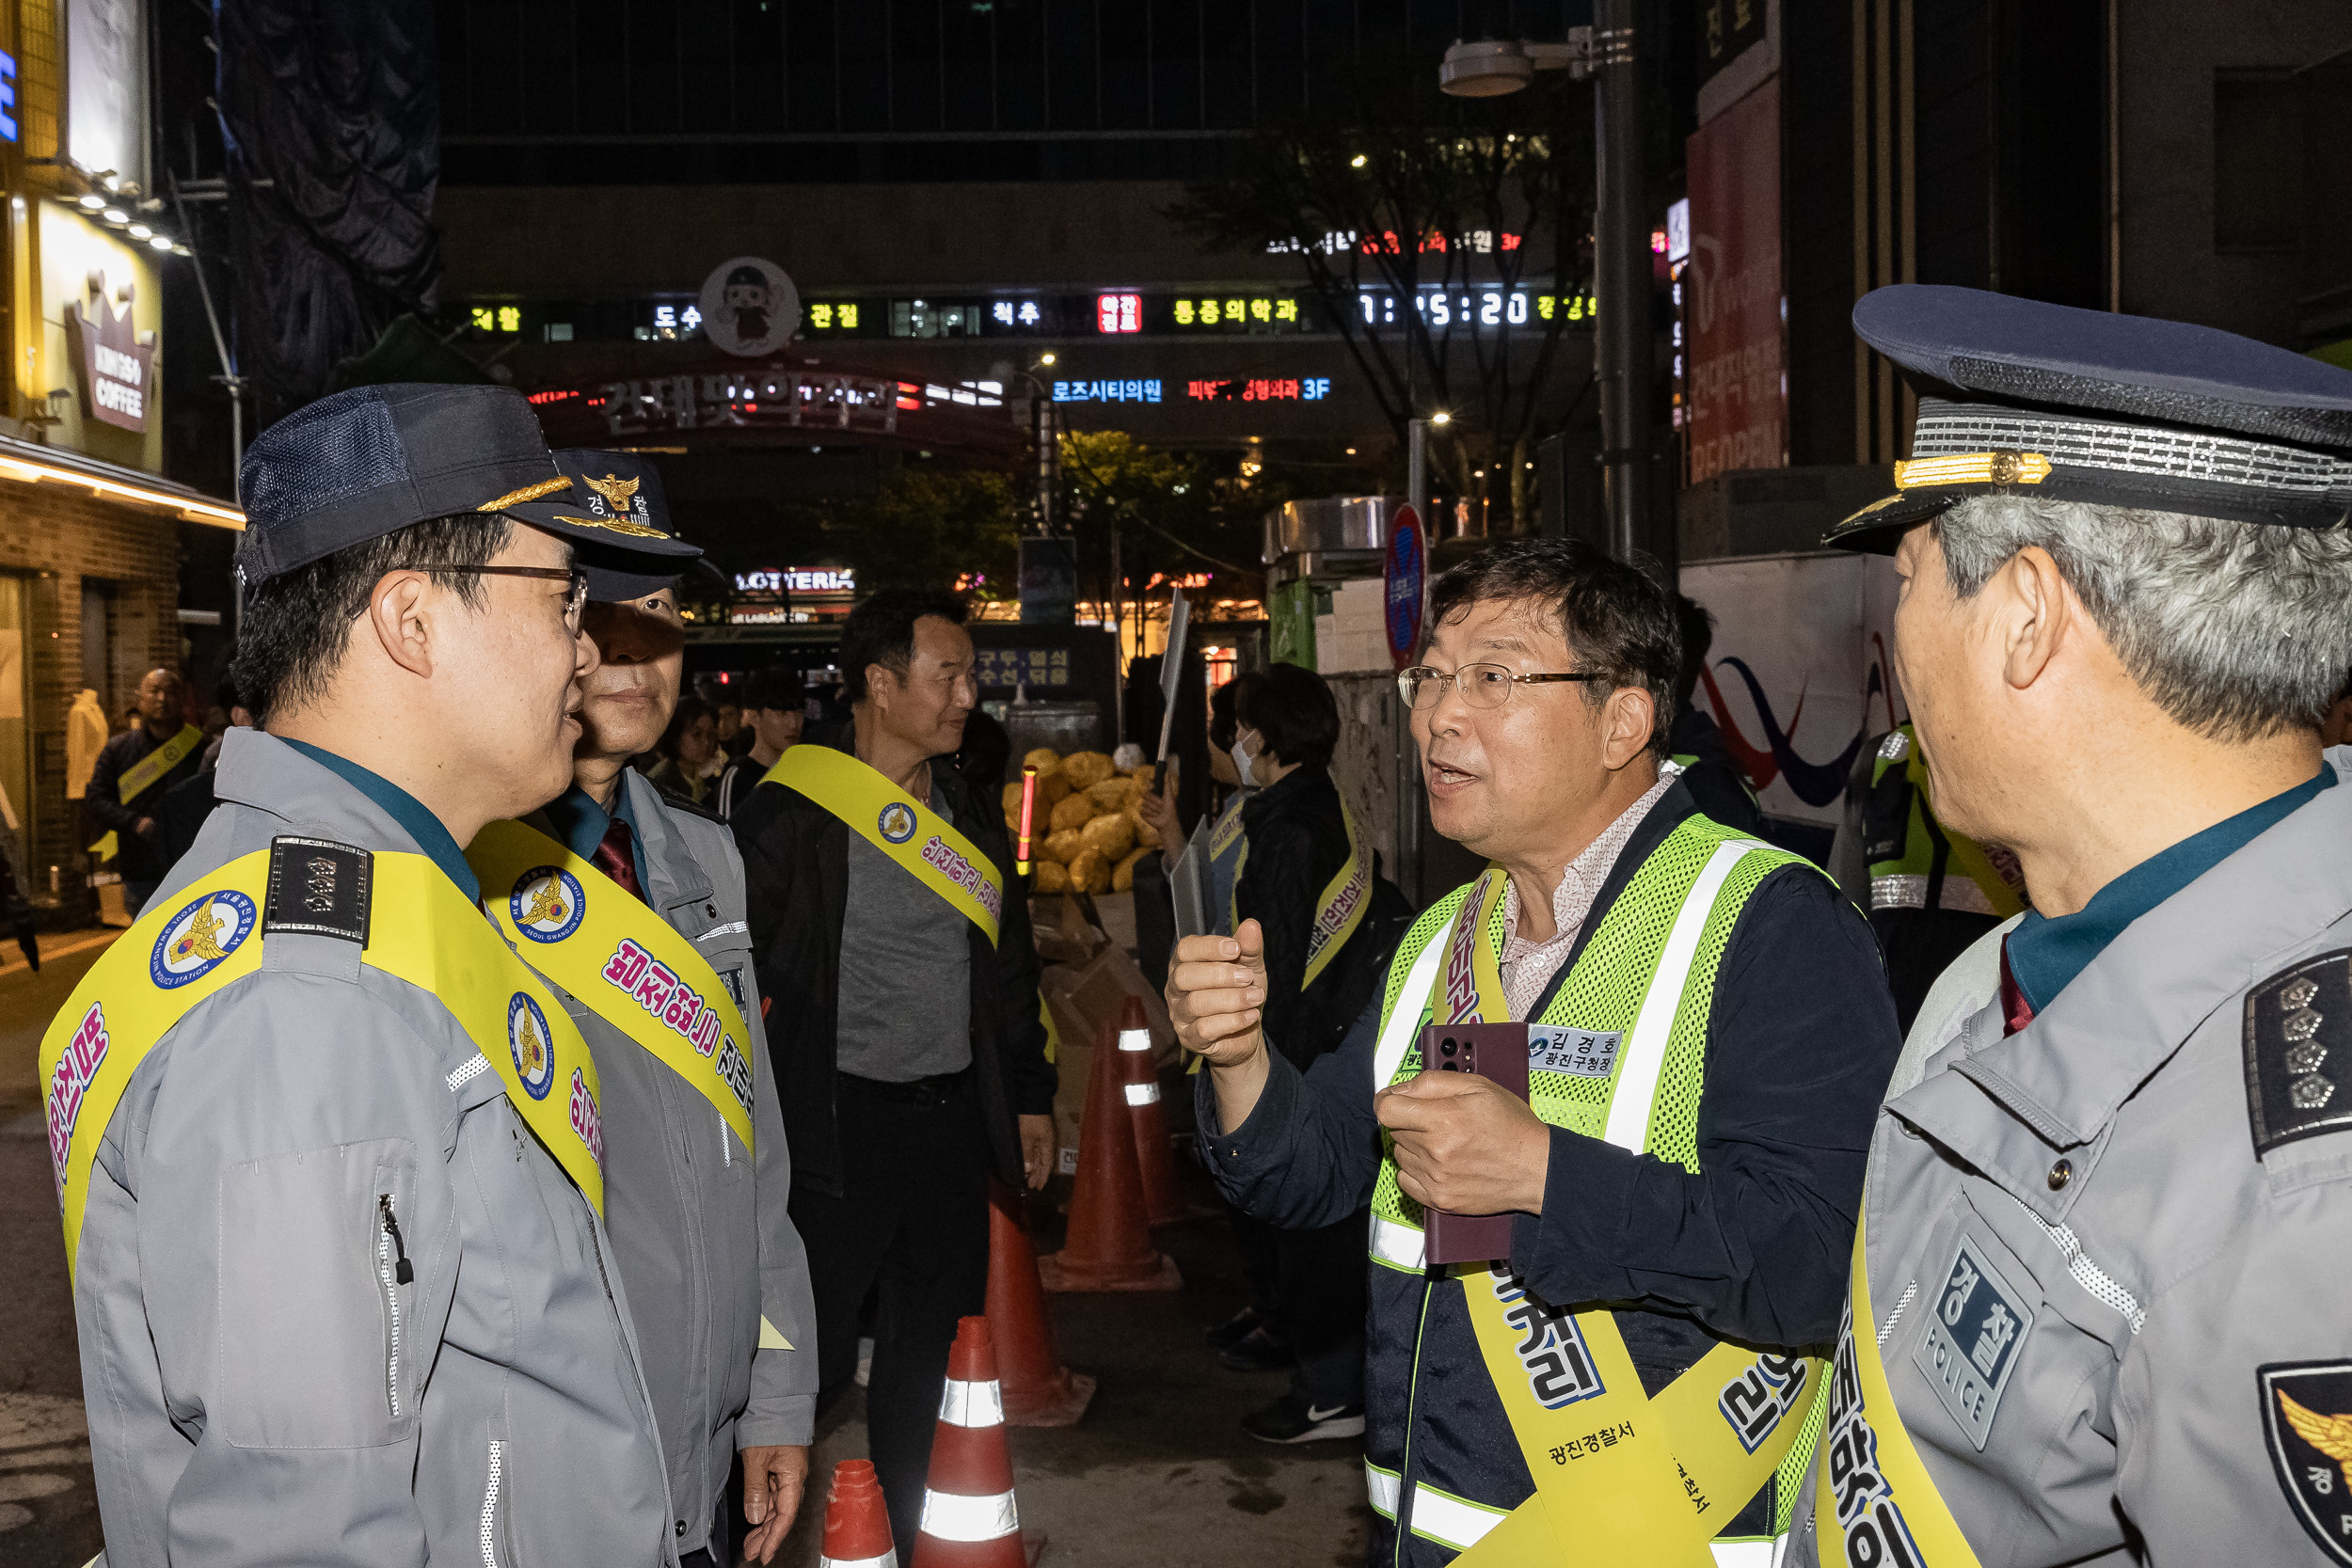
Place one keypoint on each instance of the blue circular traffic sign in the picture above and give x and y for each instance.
(1406, 577)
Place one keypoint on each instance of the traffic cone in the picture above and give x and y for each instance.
(1039, 1391)
(1109, 1246)
(857, 1521)
(969, 1518)
(1162, 1204)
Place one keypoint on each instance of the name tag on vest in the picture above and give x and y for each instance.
(1577, 1053)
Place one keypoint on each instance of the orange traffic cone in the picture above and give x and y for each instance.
(1109, 1243)
(1039, 1391)
(857, 1521)
(1141, 1088)
(969, 1519)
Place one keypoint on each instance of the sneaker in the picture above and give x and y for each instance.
(1234, 1328)
(1256, 1352)
(1297, 1419)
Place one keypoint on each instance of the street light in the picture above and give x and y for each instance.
(1493, 67)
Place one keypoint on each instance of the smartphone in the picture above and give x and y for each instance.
(1495, 1051)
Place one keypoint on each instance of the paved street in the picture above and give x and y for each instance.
(1158, 1473)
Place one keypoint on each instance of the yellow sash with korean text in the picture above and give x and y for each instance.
(1338, 907)
(421, 931)
(1872, 1495)
(1622, 1480)
(590, 935)
(901, 827)
(141, 775)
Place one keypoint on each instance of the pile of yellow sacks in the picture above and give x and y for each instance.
(1089, 834)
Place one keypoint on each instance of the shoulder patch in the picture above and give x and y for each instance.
(677, 802)
(2299, 1052)
(318, 887)
(2307, 1421)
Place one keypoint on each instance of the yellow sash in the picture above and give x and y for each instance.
(1622, 1480)
(588, 934)
(1338, 907)
(901, 827)
(141, 774)
(1872, 1493)
(425, 932)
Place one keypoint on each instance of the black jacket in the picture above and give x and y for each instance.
(1753, 1247)
(1710, 775)
(138, 860)
(796, 866)
(1297, 842)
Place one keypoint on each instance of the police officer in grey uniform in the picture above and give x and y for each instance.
(336, 1303)
(700, 1226)
(2101, 1311)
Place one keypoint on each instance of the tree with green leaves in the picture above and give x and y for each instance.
(1407, 205)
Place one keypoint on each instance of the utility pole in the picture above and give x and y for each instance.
(1621, 279)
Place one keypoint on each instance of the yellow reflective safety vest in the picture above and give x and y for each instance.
(1499, 1387)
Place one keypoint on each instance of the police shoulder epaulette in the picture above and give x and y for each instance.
(2299, 1050)
(687, 803)
(317, 887)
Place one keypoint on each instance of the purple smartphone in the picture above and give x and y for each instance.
(1495, 1051)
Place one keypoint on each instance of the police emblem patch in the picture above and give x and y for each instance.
(2299, 1052)
(546, 903)
(2307, 1421)
(527, 1037)
(1977, 1327)
(200, 938)
(896, 822)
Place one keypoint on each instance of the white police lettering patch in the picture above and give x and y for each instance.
(2307, 1421)
(2299, 1052)
(1577, 1053)
(1975, 1328)
(546, 903)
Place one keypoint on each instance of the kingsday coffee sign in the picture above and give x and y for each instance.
(118, 370)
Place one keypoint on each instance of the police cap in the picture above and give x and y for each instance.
(2022, 398)
(618, 517)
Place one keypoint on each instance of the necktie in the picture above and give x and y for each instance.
(2016, 1012)
(614, 859)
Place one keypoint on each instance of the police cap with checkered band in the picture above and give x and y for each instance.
(2022, 398)
(618, 515)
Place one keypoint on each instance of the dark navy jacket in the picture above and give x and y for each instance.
(1754, 1248)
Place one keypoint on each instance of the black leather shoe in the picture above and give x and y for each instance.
(1256, 1352)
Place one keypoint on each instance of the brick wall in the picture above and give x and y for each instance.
(55, 538)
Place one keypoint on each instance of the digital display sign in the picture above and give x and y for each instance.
(1108, 391)
(1445, 307)
(1119, 312)
(1312, 389)
(1238, 313)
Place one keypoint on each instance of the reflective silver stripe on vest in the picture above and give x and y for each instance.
(1646, 1052)
(1405, 1018)
(1910, 892)
(1747, 1554)
(1399, 1247)
(1449, 1520)
(1380, 1486)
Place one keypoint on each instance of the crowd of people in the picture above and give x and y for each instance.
(1645, 1199)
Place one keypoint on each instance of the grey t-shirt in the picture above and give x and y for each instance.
(906, 974)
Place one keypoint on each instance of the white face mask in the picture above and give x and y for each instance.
(1241, 764)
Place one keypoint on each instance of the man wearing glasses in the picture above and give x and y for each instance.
(330, 1155)
(1706, 1033)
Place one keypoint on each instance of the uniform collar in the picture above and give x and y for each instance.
(581, 824)
(2134, 1003)
(315, 790)
(2045, 954)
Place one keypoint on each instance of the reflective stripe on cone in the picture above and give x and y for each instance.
(1135, 1040)
(888, 1560)
(1142, 1094)
(950, 1516)
(971, 1404)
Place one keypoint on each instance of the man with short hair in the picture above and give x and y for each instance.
(1709, 772)
(1703, 1032)
(697, 1173)
(894, 945)
(2097, 1308)
(136, 770)
(329, 1154)
(775, 712)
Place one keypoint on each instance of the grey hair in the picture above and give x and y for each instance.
(2236, 630)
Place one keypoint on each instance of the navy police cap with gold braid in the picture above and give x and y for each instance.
(618, 518)
(2025, 398)
(372, 460)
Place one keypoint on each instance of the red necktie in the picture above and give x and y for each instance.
(614, 859)
(2016, 1012)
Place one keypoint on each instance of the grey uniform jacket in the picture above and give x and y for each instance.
(261, 1387)
(700, 1230)
(2095, 1267)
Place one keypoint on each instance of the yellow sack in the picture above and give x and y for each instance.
(1086, 768)
(1044, 759)
(1113, 834)
(1062, 848)
(1052, 877)
(1091, 872)
(1075, 812)
(1124, 873)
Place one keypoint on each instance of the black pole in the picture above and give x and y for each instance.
(1621, 280)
